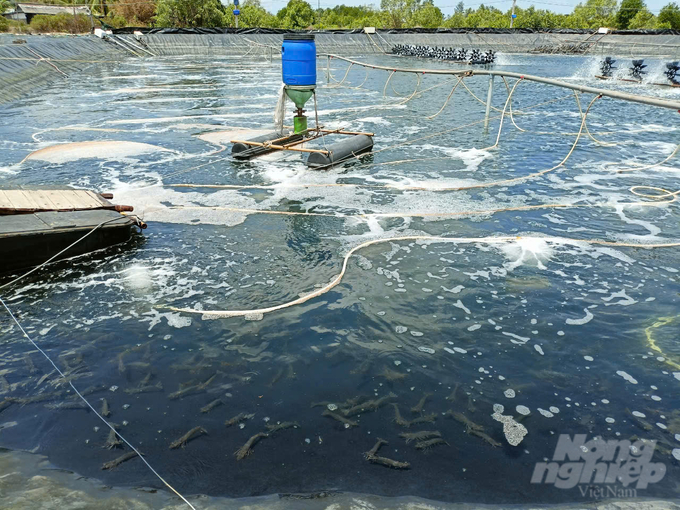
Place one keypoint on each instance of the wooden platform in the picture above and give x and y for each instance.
(37, 223)
(28, 240)
(19, 201)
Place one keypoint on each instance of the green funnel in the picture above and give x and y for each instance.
(299, 97)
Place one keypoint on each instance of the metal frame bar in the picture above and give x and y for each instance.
(652, 101)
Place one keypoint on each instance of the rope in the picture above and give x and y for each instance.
(661, 321)
(447, 100)
(139, 454)
(512, 118)
(605, 144)
(374, 43)
(647, 167)
(414, 92)
(58, 254)
(480, 100)
(665, 192)
(500, 127)
(343, 78)
(388, 80)
(46, 60)
(218, 314)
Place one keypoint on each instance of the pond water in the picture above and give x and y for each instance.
(581, 336)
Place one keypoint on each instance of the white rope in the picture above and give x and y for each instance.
(92, 408)
(61, 252)
(221, 314)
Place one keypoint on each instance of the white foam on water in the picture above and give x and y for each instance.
(629, 378)
(157, 203)
(626, 300)
(472, 158)
(66, 152)
(459, 304)
(226, 136)
(516, 339)
(376, 120)
(10, 170)
(138, 278)
(527, 251)
(164, 88)
(579, 322)
(654, 231)
(185, 118)
(454, 290)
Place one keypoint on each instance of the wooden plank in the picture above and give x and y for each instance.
(79, 199)
(343, 132)
(42, 199)
(5, 203)
(70, 197)
(17, 201)
(279, 147)
(21, 201)
(98, 199)
(60, 202)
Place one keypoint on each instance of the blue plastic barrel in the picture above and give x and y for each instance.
(298, 57)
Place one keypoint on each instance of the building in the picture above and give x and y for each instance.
(25, 12)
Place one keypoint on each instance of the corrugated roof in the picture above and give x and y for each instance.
(50, 9)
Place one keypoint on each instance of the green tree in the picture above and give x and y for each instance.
(426, 15)
(254, 15)
(645, 20)
(460, 8)
(457, 20)
(627, 11)
(296, 14)
(4, 6)
(670, 14)
(594, 14)
(395, 12)
(190, 13)
(344, 16)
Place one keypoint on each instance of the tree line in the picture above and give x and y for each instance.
(299, 14)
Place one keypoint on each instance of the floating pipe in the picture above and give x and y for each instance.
(340, 151)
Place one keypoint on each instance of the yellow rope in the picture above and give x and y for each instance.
(661, 321)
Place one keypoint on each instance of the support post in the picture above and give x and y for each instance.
(512, 15)
(489, 97)
(328, 69)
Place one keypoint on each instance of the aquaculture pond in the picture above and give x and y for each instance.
(507, 300)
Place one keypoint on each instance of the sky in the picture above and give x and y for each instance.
(447, 6)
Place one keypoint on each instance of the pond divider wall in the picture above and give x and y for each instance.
(22, 71)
